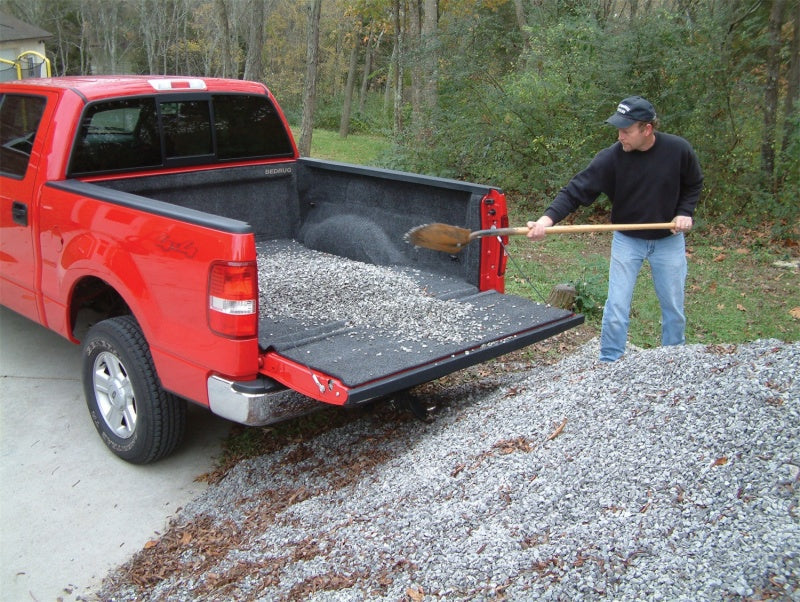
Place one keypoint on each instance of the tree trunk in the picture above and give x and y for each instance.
(430, 41)
(310, 86)
(149, 23)
(228, 38)
(519, 11)
(415, 52)
(397, 66)
(792, 100)
(254, 63)
(773, 66)
(347, 104)
(387, 89)
(362, 97)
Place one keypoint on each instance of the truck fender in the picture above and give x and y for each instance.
(90, 268)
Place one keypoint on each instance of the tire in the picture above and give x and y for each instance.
(136, 418)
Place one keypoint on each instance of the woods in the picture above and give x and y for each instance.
(512, 92)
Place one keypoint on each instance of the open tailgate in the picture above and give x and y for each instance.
(344, 332)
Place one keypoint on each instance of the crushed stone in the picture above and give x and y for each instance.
(319, 288)
(672, 474)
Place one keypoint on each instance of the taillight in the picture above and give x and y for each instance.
(233, 299)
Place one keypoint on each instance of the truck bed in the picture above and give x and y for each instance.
(341, 294)
(380, 329)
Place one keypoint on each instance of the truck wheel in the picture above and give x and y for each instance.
(136, 418)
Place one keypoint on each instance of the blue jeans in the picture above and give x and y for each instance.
(667, 257)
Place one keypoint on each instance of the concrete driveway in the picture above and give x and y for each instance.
(70, 510)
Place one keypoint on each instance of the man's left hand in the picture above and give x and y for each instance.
(683, 223)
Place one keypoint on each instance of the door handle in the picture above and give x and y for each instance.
(19, 213)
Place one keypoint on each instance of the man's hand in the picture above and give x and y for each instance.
(683, 223)
(536, 230)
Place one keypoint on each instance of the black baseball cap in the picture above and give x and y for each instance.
(631, 110)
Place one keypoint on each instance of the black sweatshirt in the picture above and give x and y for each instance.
(655, 185)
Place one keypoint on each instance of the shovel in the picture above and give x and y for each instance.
(451, 239)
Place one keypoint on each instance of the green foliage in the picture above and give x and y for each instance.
(530, 126)
(372, 120)
(464, 135)
(590, 290)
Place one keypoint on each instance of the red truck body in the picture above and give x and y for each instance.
(145, 251)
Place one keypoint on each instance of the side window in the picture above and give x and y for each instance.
(20, 117)
(117, 135)
(249, 126)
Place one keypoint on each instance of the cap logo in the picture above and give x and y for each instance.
(623, 108)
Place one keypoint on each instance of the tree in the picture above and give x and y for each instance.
(228, 40)
(106, 31)
(792, 99)
(310, 86)
(772, 70)
(254, 63)
(398, 57)
(347, 103)
(369, 52)
(430, 53)
(414, 59)
(160, 23)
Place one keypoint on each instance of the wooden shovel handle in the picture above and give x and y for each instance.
(608, 228)
(576, 229)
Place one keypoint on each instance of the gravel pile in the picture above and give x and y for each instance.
(672, 474)
(319, 288)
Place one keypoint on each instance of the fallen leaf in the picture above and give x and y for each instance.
(508, 446)
(186, 538)
(150, 544)
(415, 594)
(513, 391)
(720, 257)
(795, 313)
(558, 430)
(720, 461)
(740, 307)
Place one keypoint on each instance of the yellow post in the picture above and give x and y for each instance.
(45, 61)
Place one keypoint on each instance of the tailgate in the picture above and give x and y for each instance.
(376, 330)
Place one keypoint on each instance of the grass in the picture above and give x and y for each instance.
(735, 291)
(358, 149)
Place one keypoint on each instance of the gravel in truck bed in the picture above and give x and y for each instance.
(672, 474)
(317, 288)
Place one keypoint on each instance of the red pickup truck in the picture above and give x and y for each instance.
(169, 226)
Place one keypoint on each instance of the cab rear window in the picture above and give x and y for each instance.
(152, 132)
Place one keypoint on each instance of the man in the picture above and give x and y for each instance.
(649, 176)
